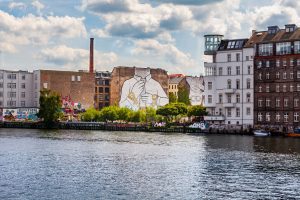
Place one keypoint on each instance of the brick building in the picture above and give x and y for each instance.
(77, 87)
(277, 77)
(102, 89)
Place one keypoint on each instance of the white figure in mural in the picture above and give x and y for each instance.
(196, 90)
(142, 91)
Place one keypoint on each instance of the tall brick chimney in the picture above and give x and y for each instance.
(91, 55)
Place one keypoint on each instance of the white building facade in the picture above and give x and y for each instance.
(229, 84)
(16, 89)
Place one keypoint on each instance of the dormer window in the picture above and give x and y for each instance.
(273, 29)
(290, 28)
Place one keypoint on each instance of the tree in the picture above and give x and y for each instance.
(138, 116)
(181, 107)
(183, 96)
(172, 97)
(90, 114)
(124, 113)
(168, 111)
(50, 107)
(196, 111)
(109, 113)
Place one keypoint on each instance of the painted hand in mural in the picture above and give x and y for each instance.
(138, 87)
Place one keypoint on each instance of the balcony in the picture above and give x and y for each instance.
(228, 105)
(228, 91)
(214, 118)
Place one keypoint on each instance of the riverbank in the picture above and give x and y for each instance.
(125, 127)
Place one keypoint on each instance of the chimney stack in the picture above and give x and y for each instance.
(91, 55)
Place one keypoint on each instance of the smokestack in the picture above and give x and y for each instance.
(91, 55)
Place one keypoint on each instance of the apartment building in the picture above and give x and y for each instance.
(229, 83)
(102, 89)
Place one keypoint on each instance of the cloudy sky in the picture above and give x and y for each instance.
(54, 34)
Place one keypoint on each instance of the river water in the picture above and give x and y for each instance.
(63, 164)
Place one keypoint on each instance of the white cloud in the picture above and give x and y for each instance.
(38, 6)
(31, 29)
(16, 5)
(71, 58)
(161, 53)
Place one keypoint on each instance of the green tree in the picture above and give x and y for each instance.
(109, 113)
(181, 107)
(124, 113)
(196, 111)
(169, 111)
(138, 116)
(183, 96)
(172, 97)
(150, 114)
(90, 114)
(50, 107)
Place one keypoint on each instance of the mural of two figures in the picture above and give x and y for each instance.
(142, 91)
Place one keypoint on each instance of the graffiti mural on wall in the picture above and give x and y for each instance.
(20, 114)
(69, 105)
(142, 91)
(196, 90)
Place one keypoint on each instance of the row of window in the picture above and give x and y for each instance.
(102, 97)
(278, 117)
(229, 98)
(284, 75)
(13, 103)
(173, 86)
(13, 94)
(101, 90)
(229, 84)
(268, 102)
(76, 78)
(13, 85)
(285, 88)
(12, 76)
(102, 82)
(237, 56)
(237, 71)
(229, 112)
(270, 63)
(281, 48)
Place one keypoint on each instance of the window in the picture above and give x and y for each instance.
(298, 62)
(283, 48)
(238, 98)
(267, 75)
(298, 74)
(259, 117)
(260, 88)
(247, 58)
(296, 102)
(237, 84)
(277, 75)
(249, 69)
(268, 117)
(284, 88)
(291, 88)
(284, 63)
(106, 90)
(11, 85)
(278, 88)
(286, 117)
(100, 89)
(285, 102)
(248, 83)
(267, 63)
(267, 88)
(259, 76)
(220, 111)
(1, 103)
(291, 75)
(277, 102)
(297, 47)
(248, 97)
(238, 70)
(220, 71)
(238, 113)
(228, 98)
(22, 103)
(1, 84)
(277, 117)
(73, 78)
(11, 76)
(296, 117)
(248, 111)
(237, 57)
(229, 84)
(209, 98)
(23, 85)
(268, 102)
(259, 64)
(291, 62)
(228, 70)
(228, 57)
(284, 75)
(277, 63)
(11, 103)
(265, 49)
(209, 85)
(78, 78)
(220, 98)
(23, 77)
(1, 76)
(259, 103)
(22, 94)
(45, 85)
(1, 94)
(228, 112)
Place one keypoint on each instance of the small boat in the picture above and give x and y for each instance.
(261, 133)
(296, 133)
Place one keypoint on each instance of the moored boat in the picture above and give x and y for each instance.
(261, 133)
(296, 133)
